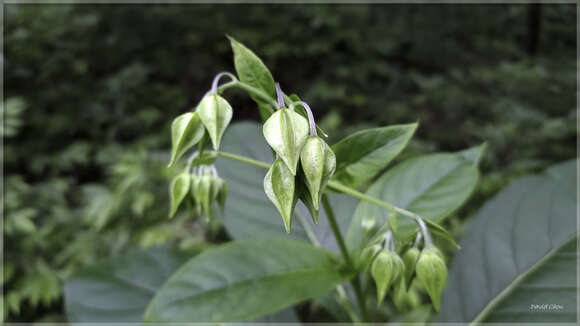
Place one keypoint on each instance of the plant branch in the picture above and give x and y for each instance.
(341, 244)
(331, 184)
(251, 90)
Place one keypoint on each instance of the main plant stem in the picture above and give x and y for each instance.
(341, 244)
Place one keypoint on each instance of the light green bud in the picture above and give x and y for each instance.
(432, 273)
(186, 131)
(279, 186)
(178, 190)
(410, 259)
(215, 114)
(387, 268)
(286, 132)
(318, 163)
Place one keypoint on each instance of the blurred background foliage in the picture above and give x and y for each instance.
(91, 90)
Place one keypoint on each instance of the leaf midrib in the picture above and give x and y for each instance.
(243, 282)
(516, 281)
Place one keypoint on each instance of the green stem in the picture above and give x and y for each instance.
(357, 194)
(243, 159)
(336, 231)
(250, 89)
(341, 244)
(331, 184)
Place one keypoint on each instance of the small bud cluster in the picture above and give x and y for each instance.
(209, 120)
(417, 269)
(304, 162)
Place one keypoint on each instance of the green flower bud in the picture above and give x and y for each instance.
(194, 185)
(303, 194)
(286, 132)
(279, 187)
(215, 113)
(186, 131)
(178, 191)
(204, 194)
(405, 300)
(318, 163)
(432, 273)
(386, 270)
(219, 192)
(368, 255)
(410, 259)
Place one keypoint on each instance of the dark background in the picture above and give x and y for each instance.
(91, 90)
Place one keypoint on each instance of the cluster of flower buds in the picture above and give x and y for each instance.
(209, 120)
(416, 269)
(304, 162)
(204, 187)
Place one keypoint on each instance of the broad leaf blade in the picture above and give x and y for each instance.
(249, 213)
(245, 280)
(432, 186)
(510, 236)
(119, 290)
(363, 155)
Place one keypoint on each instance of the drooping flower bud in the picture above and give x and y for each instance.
(405, 299)
(186, 131)
(410, 259)
(286, 132)
(215, 114)
(303, 194)
(318, 163)
(204, 194)
(194, 185)
(219, 192)
(279, 186)
(368, 255)
(386, 270)
(178, 191)
(432, 273)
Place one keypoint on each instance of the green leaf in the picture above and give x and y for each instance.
(243, 280)
(186, 131)
(363, 155)
(248, 211)
(519, 251)
(178, 191)
(252, 71)
(120, 289)
(432, 186)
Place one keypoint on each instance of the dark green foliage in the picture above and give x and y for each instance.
(90, 92)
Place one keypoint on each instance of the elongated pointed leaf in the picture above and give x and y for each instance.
(432, 186)
(518, 256)
(363, 155)
(244, 280)
(252, 71)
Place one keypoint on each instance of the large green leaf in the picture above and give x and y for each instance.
(432, 186)
(252, 71)
(518, 256)
(119, 290)
(249, 213)
(363, 155)
(245, 279)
